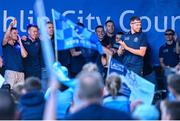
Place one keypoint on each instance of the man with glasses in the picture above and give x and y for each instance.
(134, 46)
(169, 52)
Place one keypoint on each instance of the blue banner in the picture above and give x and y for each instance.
(156, 15)
(140, 88)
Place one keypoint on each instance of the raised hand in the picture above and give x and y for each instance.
(19, 39)
(123, 44)
(24, 37)
(13, 22)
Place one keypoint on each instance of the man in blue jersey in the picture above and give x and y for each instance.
(33, 62)
(134, 45)
(169, 52)
(13, 54)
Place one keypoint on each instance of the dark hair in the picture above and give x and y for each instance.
(104, 55)
(172, 109)
(170, 30)
(31, 25)
(135, 18)
(32, 83)
(13, 28)
(6, 87)
(80, 24)
(7, 106)
(99, 26)
(109, 21)
(120, 33)
(49, 22)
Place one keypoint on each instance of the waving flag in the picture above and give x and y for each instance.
(139, 87)
(70, 35)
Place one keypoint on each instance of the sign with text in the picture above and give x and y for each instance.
(140, 88)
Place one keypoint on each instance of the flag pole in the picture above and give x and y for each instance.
(50, 108)
(55, 38)
(56, 53)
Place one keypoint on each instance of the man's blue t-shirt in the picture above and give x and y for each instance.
(169, 55)
(12, 58)
(130, 60)
(33, 61)
(109, 41)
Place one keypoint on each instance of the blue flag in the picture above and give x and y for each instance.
(70, 35)
(140, 88)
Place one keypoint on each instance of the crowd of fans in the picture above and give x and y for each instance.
(28, 94)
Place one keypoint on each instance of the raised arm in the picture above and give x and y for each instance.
(23, 50)
(7, 33)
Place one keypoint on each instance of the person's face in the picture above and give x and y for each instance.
(135, 25)
(14, 34)
(169, 36)
(33, 33)
(110, 28)
(50, 29)
(100, 33)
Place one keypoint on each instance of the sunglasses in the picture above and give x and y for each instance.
(136, 23)
(168, 34)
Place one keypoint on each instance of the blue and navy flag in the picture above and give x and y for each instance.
(70, 35)
(139, 87)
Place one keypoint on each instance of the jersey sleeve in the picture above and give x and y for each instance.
(143, 40)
